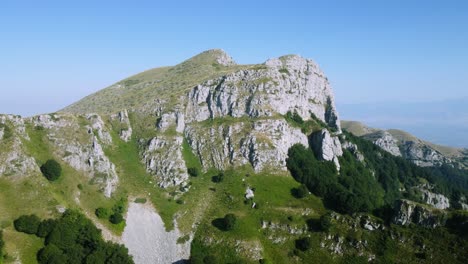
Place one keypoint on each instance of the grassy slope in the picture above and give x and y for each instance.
(33, 194)
(272, 195)
(166, 83)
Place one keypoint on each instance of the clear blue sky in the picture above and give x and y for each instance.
(53, 53)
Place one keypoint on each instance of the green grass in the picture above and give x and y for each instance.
(134, 181)
(166, 83)
(272, 194)
(191, 160)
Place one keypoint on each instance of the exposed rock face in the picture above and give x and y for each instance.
(353, 148)
(436, 200)
(248, 104)
(163, 158)
(410, 212)
(386, 141)
(222, 57)
(80, 147)
(126, 130)
(286, 84)
(326, 147)
(400, 143)
(14, 160)
(422, 155)
(263, 143)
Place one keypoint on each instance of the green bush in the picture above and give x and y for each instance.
(194, 172)
(325, 222)
(227, 223)
(51, 254)
(51, 170)
(210, 259)
(303, 244)
(119, 207)
(28, 224)
(74, 239)
(294, 117)
(45, 227)
(230, 221)
(102, 213)
(116, 218)
(300, 192)
(140, 200)
(218, 178)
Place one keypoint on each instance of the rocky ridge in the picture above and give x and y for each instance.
(400, 143)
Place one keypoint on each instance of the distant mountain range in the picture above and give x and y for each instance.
(442, 122)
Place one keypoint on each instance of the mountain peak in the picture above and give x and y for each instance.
(212, 56)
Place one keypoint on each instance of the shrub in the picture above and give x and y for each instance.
(229, 222)
(28, 224)
(51, 254)
(51, 170)
(325, 222)
(218, 178)
(102, 213)
(45, 227)
(194, 172)
(119, 207)
(116, 218)
(294, 117)
(74, 239)
(140, 200)
(300, 192)
(210, 259)
(303, 244)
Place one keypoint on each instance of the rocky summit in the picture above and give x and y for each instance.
(211, 161)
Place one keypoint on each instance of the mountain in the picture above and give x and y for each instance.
(430, 120)
(401, 143)
(217, 162)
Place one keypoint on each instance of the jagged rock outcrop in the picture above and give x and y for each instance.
(163, 158)
(222, 57)
(289, 83)
(262, 143)
(81, 146)
(353, 148)
(435, 200)
(400, 143)
(407, 212)
(386, 141)
(14, 159)
(422, 155)
(236, 119)
(326, 147)
(126, 130)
